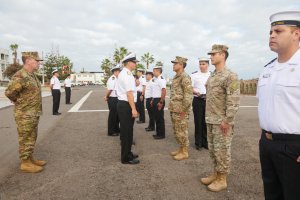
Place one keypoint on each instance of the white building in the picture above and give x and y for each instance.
(4, 62)
(87, 78)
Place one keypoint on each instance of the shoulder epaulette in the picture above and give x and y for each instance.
(194, 72)
(270, 62)
(162, 77)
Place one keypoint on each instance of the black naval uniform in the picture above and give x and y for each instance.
(140, 105)
(55, 94)
(199, 80)
(159, 83)
(126, 83)
(199, 104)
(148, 96)
(113, 119)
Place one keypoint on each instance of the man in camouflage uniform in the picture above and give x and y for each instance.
(222, 103)
(180, 106)
(24, 90)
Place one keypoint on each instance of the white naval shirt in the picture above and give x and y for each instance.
(68, 82)
(125, 84)
(142, 80)
(158, 83)
(148, 89)
(199, 80)
(278, 93)
(55, 82)
(111, 85)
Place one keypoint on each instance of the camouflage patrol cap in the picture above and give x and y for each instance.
(32, 54)
(179, 59)
(216, 48)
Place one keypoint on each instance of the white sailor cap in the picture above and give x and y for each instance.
(149, 71)
(203, 59)
(288, 18)
(157, 67)
(141, 70)
(130, 57)
(117, 67)
(54, 71)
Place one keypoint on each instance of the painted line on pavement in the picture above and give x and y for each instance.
(77, 110)
(77, 106)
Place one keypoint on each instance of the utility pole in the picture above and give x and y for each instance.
(43, 75)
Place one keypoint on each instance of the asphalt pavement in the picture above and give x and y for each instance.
(84, 163)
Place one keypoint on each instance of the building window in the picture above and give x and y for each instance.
(2, 56)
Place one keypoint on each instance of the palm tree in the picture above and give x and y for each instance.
(148, 59)
(14, 48)
(159, 63)
(119, 54)
(106, 66)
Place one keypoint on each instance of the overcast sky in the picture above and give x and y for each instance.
(87, 31)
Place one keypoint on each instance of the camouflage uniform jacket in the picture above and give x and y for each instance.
(222, 97)
(181, 93)
(24, 90)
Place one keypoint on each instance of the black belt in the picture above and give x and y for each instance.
(280, 136)
(202, 96)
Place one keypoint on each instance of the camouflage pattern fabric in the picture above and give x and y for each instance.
(27, 128)
(180, 127)
(180, 102)
(24, 90)
(222, 97)
(219, 146)
(181, 94)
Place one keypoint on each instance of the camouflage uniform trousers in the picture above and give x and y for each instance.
(180, 127)
(219, 147)
(27, 130)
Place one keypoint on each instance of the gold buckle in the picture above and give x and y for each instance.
(269, 136)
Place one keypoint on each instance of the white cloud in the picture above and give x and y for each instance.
(88, 31)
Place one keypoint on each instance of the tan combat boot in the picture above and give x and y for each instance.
(219, 184)
(29, 167)
(183, 154)
(209, 179)
(38, 162)
(174, 153)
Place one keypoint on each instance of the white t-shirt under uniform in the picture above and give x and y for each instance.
(125, 84)
(278, 94)
(158, 83)
(55, 82)
(111, 85)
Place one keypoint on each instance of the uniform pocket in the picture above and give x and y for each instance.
(292, 151)
(289, 83)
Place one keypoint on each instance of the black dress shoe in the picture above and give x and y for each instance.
(113, 134)
(156, 137)
(131, 162)
(140, 122)
(68, 103)
(57, 113)
(198, 148)
(149, 129)
(134, 156)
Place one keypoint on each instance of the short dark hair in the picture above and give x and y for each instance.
(226, 54)
(184, 65)
(160, 69)
(24, 58)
